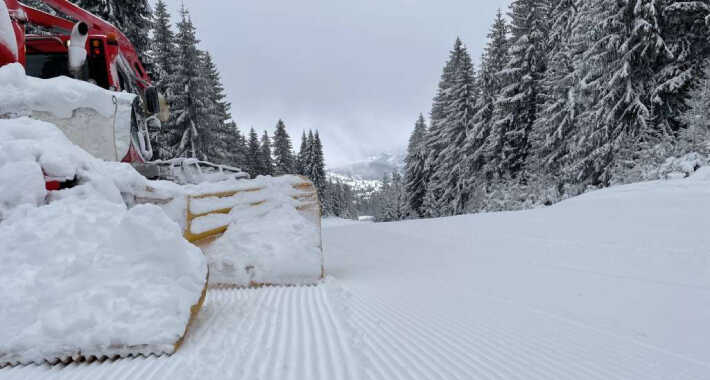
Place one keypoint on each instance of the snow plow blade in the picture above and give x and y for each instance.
(107, 353)
(265, 232)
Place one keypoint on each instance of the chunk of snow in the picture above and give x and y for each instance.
(702, 174)
(21, 183)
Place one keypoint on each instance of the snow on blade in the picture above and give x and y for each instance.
(270, 239)
(83, 275)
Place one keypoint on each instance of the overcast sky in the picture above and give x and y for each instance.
(359, 71)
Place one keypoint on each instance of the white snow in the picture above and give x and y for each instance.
(332, 221)
(269, 241)
(21, 94)
(81, 272)
(7, 34)
(614, 284)
(81, 110)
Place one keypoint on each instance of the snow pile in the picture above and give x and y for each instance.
(681, 167)
(7, 34)
(269, 241)
(21, 94)
(29, 148)
(83, 111)
(83, 274)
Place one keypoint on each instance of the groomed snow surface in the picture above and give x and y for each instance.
(614, 284)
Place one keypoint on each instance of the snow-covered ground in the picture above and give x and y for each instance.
(614, 284)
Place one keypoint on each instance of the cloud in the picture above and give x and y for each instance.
(358, 71)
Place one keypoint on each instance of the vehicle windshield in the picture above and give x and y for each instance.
(47, 65)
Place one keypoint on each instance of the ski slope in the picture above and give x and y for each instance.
(614, 284)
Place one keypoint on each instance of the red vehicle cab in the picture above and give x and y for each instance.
(111, 60)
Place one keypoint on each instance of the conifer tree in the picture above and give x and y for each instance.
(494, 59)
(685, 33)
(215, 114)
(445, 144)
(284, 161)
(265, 158)
(302, 155)
(623, 61)
(415, 177)
(217, 92)
(561, 100)
(318, 165)
(517, 106)
(695, 137)
(436, 141)
(187, 94)
(236, 147)
(254, 165)
(163, 49)
(459, 124)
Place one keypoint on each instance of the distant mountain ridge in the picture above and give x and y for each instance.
(366, 176)
(374, 167)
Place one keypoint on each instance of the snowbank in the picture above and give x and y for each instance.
(82, 274)
(21, 94)
(30, 147)
(681, 167)
(268, 241)
(84, 111)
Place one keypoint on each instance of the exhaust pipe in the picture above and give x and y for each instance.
(77, 49)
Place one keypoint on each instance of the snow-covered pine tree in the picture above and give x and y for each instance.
(267, 162)
(284, 160)
(622, 62)
(695, 137)
(217, 92)
(236, 147)
(458, 123)
(560, 98)
(254, 166)
(162, 47)
(683, 28)
(516, 110)
(302, 155)
(212, 112)
(436, 137)
(162, 52)
(318, 165)
(494, 59)
(392, 205)
(188, 95)
(349, 211)
(216, 115)
(415, 177)
(132, 17)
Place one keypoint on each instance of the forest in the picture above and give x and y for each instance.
(569, 96)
